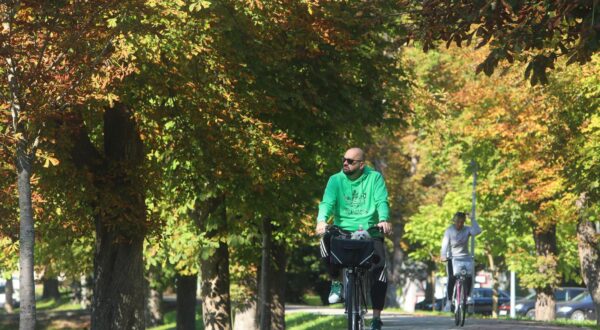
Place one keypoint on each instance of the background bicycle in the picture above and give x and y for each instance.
(462, 269)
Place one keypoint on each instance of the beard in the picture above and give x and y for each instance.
(350, 172)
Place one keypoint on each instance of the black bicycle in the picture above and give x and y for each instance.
(459, 296)
(355, 256)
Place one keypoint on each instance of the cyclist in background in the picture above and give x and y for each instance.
(356, 197)
(456, 244)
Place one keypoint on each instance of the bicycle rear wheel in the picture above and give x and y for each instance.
(463, 304)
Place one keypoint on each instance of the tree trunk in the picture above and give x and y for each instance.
(589, 254)
(26, 242)
(277, 287)
(395, 260)
(186, 301)
(545, 244)
(118, 301)
(495, 285)
(51, 289)
(430, 289)
(246, 313)
(24, 161)
(264, 303)
(75, 292)
(246, 316)
(154, 312)
(9, 303)
(86, 291)
(214, 288)
(545, 305)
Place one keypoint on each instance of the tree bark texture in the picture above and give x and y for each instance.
(245, 310)
(9, 290)
(495, 284)
(545, 244)
(264, 301)
(430, 290)
(186, 301)
(246, 316)
(26, 243)
(154, 298)
(588, 242)
(86, 291)
(394, 269)
(277, 285)
(118, 300)
(214, 288)
(24, 161)
(50, 288)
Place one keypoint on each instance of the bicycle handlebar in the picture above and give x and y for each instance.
(336, 229)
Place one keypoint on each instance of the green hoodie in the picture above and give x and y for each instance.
(353, 203)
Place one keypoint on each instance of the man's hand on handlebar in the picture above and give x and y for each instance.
(321, 227)
(386, 227)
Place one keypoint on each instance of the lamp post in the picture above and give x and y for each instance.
(513, 313)
(473, 214)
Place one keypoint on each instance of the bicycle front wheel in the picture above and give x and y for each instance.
(463, 304)
(357, 304)
(349, 299)
(457, 303)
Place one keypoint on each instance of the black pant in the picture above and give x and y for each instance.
(377, 273)
(452, 280)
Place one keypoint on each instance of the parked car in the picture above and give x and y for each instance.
(481, 298)
(426, 305)
(579, 308)
(526, 306)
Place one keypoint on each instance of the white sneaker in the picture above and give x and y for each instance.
(447, 306)
(335, 295)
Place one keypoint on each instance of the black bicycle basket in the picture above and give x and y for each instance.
(351, 252)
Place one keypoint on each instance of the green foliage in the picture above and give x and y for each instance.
(9, 258)
(577, 92)
(536, 32)
(427, 226)
(251, 103)
(526, 168)
(536, 271)
(255, 102)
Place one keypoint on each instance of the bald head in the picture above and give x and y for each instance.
(355, 153)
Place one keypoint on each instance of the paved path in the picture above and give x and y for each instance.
(393, 321)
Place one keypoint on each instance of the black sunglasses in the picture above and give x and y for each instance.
(350, 160)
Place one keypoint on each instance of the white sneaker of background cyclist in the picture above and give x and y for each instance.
(447, 308)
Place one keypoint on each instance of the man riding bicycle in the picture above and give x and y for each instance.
(455, 244)
(357, 198)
